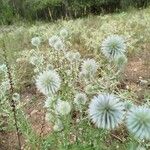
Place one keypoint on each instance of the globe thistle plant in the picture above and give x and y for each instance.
(80, 99)
(64, 33)
(48, 82)
(89, 67)
(113, 46)
(53, 40)
(16, 97)
(138, 122)
(59, 45)
(106, 111)
(36, 41)
(73, 56)
(63, 107)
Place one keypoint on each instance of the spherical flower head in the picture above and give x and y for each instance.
(64, 33)
(80, 99)
(106, 111)
(89, 67)
(52, 40)
(36, 41)
(48, 82)
(73, 56)
(113, 46)
(63, 107)
(16, 96)
(59, 45)
(36, 60)
(138, 122)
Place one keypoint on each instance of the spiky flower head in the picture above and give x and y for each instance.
(106, 111)
(48, 82)
(63, 107)
(64, 33)
(89, 67)
(52, 40)
(138, 122)
(16, 96)
(113, 46)
(36, 41)
(80, 99)
(59, 45)
(73, 56)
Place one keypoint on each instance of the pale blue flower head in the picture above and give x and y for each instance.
(113, 46)
(48, 82)
(73, 56)
(138, 122)
(106, 111)
(80, 99)
(36, 41)
(89, 67)
(52, 40)
(59, 46)
(64, 33)
(63, 107)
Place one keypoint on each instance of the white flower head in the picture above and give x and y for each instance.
(138, 122)
(73, 56)
(36, 41)
(52, 40)
(64, 33)
(113, 46)
(63, 107)
(48, 82)
(106, 111)
(16, 97)
(89, 67)
(36, 60)
(59, 46)
(80, 99)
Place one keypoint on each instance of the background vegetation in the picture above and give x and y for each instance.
(10, 10)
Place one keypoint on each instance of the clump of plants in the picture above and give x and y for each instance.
(82, 101)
